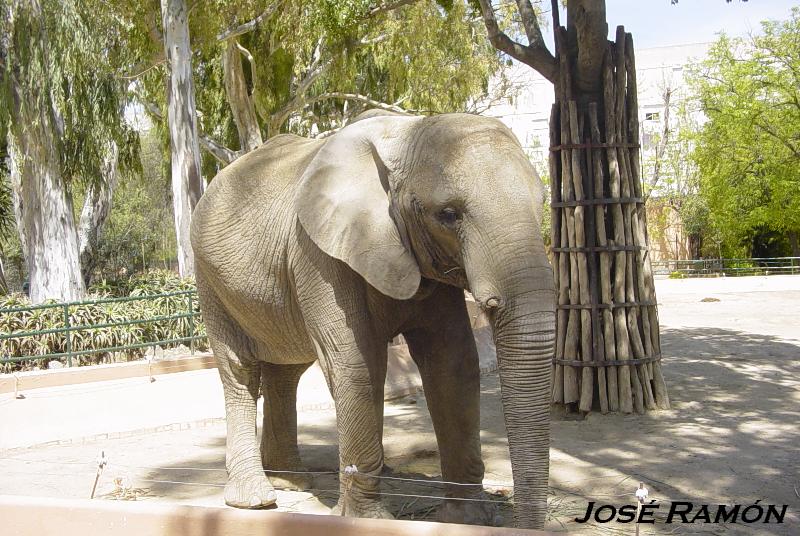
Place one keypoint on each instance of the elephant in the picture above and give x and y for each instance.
(325, 249)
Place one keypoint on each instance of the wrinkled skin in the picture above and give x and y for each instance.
(326, 249)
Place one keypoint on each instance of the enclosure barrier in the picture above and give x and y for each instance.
(726, 267)
(188, 310)
(40, 516)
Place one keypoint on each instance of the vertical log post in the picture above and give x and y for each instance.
(607, 318)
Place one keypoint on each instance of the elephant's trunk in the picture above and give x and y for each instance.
(519, 297)
(524, 338)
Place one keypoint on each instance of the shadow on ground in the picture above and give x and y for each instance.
(731, 437)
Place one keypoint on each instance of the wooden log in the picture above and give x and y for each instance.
(633, 108)
(587, 353)
(649, 314)
(618, 285)
(660, 390)
(592, 179)
(560, 284)
(636, 388)
(570, 273)
(633, 265)
(571, 392)
(608, 373)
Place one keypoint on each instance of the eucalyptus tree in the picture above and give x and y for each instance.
(187, 182)
(62, 112)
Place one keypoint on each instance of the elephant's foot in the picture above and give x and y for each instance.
(251, 490)
(470, 512)
(351, 507)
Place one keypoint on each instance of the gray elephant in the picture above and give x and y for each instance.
(325, 250)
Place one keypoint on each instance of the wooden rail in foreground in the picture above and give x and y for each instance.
(45, 516)
(37, 379)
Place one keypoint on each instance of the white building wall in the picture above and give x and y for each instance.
(528, 115)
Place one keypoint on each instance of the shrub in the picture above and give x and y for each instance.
(120, 323)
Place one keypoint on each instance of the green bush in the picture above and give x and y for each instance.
(121, 333)
(677, 275)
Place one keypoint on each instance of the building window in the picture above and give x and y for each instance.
(652, 116)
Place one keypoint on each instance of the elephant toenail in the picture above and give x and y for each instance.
(255, 500)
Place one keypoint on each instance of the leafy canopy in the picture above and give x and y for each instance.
(748, 152)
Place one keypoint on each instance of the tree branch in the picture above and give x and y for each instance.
(531, 23)
(298, 100)
(358, 98)
(391, 6)
(140, 69)
(218, 151)
(536, 56)
(251, 25)
(786, 143)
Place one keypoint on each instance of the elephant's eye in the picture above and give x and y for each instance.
(448, 216)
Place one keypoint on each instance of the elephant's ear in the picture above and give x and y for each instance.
(343, 203)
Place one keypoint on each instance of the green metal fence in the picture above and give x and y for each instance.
(183, 317)
(727, 267)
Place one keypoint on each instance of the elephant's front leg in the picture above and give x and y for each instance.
(356, 381)
(445, 353)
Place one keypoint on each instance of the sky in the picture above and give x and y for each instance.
(656, 23)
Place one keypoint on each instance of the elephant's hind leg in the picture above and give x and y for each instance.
(279, 450)
(247, 485)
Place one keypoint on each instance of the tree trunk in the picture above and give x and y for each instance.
(3, 282)
(187, 183)
(240, 99)
(44, 210)
(96, 208)
(607, 342)
(794, 243)
(42, 205)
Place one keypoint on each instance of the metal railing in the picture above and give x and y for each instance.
(727, 267)
(183, 302)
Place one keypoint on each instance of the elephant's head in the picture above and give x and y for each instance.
(451, 198)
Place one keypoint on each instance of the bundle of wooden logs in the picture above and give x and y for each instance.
(607, 335)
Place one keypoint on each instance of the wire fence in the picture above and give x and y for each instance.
(726, 267)
(131, 482)
(99, 327)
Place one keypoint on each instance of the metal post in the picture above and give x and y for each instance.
(191, 323)
(68, 335)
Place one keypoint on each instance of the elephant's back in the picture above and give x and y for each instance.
(255, 191)
(258, 177)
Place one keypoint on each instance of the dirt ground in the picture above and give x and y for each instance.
(732, 436)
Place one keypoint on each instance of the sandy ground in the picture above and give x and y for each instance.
(732, 436)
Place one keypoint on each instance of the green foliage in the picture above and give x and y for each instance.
(677, 275)
(7, 228)
(434, 60)
(748, 152)
(119, 313)
(428, 56)
(56, 59)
